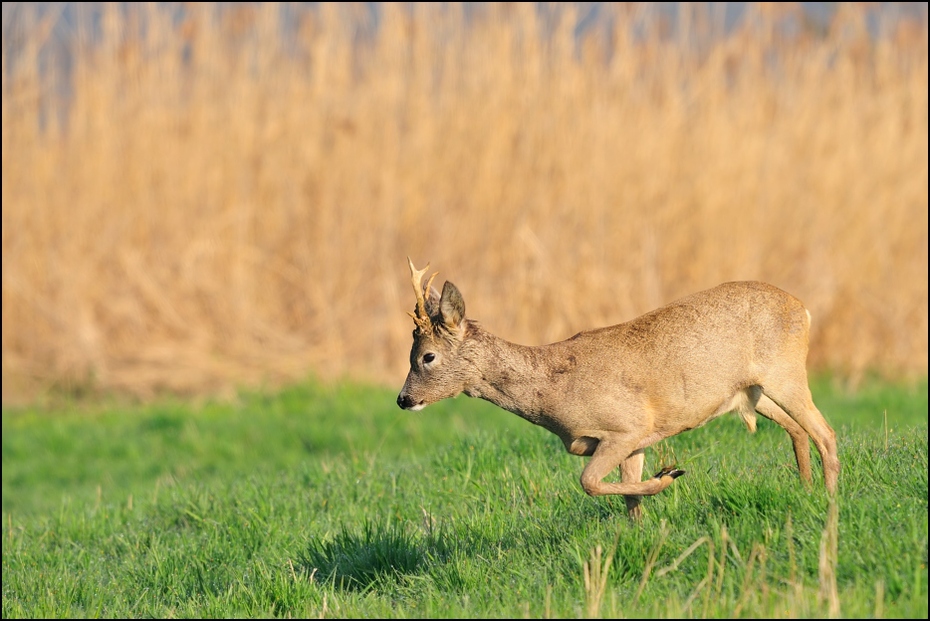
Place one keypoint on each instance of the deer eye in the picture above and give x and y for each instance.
(427, 358)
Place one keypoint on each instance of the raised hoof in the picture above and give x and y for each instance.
(669, 471)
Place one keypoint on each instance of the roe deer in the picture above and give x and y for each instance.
(611, 392)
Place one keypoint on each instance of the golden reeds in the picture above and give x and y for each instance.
(225, 196)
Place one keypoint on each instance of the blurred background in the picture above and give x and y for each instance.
(200, 197)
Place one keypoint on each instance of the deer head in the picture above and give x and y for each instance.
(436, 371)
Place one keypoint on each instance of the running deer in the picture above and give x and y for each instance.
(610, 393)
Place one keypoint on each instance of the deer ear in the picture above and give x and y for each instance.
(432, 301)
(451, 307)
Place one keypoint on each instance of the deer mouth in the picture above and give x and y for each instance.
(405, 402)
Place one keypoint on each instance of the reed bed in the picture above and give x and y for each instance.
(197, 198)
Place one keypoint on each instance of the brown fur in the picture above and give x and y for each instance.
(612, 392)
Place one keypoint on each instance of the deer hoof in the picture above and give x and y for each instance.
(669, 471)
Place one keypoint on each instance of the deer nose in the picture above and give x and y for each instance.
(404, 401)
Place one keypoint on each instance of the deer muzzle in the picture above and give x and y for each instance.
(406, 402)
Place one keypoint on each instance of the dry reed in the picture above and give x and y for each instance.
(226, 196)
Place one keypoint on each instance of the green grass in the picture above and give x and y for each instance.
(332, 501)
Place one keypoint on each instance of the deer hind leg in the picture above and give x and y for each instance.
(794, 397)
(631, 471)
(799, 438)
(612, 452)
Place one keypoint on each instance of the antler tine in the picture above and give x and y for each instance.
(429, 283)
(416, 276)
(422, 317)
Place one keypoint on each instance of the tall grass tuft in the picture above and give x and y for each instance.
(352, 561)
(198, 196)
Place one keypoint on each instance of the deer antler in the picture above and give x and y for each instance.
(422, 318)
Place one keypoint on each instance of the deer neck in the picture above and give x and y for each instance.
(506, 374)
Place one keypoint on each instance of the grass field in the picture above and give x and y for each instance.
(199, 197)
(330, 501)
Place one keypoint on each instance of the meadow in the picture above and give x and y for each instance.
(204, 205)
(327, 500)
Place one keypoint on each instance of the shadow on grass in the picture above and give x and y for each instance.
(359, 560)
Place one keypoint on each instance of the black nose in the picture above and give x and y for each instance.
(404, 401)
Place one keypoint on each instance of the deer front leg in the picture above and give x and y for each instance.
(631, 471)
(611, 453)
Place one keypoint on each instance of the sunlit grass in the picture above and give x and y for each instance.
(332, 501)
